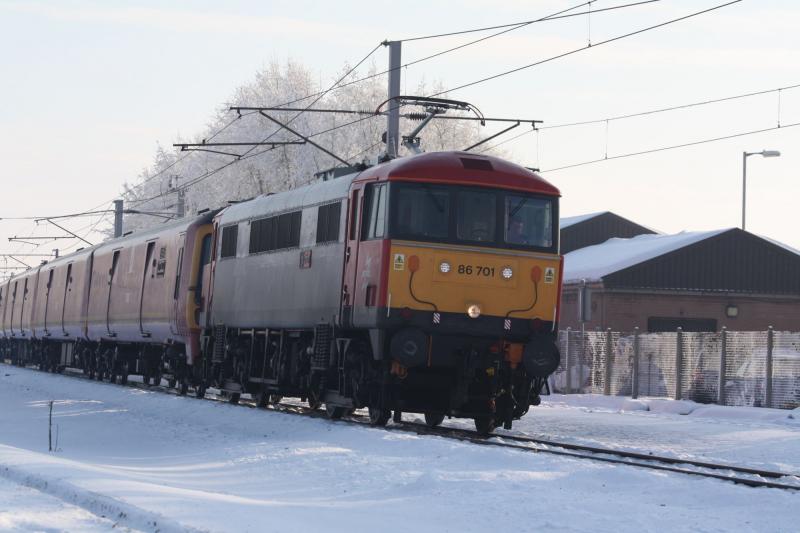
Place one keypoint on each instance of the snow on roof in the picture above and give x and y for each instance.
(594, 262)
(566, 222)
(778, 243)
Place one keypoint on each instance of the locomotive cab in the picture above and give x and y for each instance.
(452, 264)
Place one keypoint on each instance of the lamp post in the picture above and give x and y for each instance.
(745, 155)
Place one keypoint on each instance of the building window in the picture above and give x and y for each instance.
(328, 222)
(659, 324)
(230, 235)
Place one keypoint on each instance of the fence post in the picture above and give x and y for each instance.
(582, 358)
(635, 370)
(678, 362)
(770, 347)
(723, 363)
(568, 364)
(609, 364)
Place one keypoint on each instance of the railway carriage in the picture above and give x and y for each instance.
(426, 284)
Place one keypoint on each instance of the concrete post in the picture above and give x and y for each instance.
(117, 218)
(581, 358)
(609, 363)
(770, 347)
(678, 362)
(723, 362)
(635, 369)
(568, 363)
(393, 117)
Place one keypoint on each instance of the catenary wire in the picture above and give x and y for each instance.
(587, 47)
(556, 15)
(643, 113)
(338, 85)
(672, 147)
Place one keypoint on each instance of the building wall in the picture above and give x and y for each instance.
(624, 310)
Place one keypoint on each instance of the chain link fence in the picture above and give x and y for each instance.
(745, 368)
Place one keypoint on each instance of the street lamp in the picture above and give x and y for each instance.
(745, 155)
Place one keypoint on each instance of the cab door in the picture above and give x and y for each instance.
(352, 236)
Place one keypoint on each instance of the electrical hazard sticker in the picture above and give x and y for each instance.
(399, 261)
(549, 274)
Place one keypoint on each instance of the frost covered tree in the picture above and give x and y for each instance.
(212, 180)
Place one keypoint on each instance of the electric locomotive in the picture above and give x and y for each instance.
(426, 284)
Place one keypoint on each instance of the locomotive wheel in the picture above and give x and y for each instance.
(378, 416)
(335, 412)
(434, 419)
(484, 425)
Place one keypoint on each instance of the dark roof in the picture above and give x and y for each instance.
(586, 230)
(729, 260)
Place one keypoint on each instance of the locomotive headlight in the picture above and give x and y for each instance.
(444, 267)
(474, 311)
(507, 272)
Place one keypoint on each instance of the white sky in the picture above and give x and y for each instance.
(90, 88)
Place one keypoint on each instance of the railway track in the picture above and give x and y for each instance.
(740, 475)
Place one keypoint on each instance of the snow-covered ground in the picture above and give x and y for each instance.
(148, 461)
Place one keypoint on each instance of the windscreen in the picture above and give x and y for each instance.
(471, 215)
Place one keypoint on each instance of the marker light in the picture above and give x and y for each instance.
(474, 311)
(507, 272)
(444, 267)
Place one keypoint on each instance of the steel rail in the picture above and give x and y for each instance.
(519, 442)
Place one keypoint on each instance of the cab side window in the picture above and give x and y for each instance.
(374, 220)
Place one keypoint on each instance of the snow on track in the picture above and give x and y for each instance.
(201, 465)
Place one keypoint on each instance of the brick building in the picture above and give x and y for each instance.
(700, 281)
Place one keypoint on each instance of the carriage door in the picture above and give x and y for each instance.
(356, 204)
(13, 306)
(149, 271)
(203, 279)
(22, 307)
(173, 323)
(47, 300)
(67, 290)
(111, 272)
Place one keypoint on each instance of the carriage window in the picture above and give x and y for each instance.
(328, 222)
(230, 235)
(374, 221)
(161, 267)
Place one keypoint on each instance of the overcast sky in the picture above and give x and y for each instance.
(89, 89)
